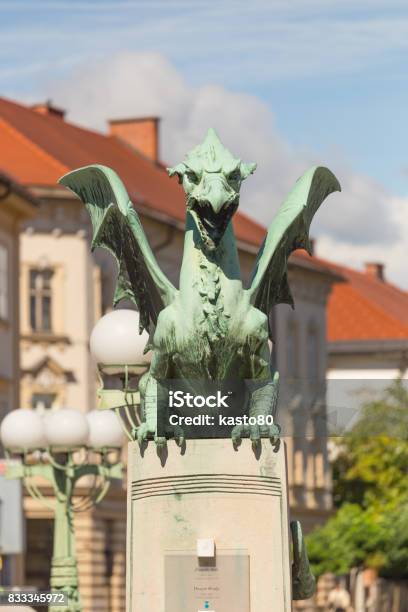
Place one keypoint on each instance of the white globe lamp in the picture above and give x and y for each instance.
(104, 429)
(116, 343)
(66, 428)
(23, 429)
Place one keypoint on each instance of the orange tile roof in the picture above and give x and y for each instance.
(303, 259)
(366, 308)
(37, 149)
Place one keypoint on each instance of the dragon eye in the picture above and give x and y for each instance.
(191, 176)
(235, 175)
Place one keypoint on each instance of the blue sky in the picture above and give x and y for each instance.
(332, 74)
(319, 65)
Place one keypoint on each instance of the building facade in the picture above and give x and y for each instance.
(301, 358)
(65, 289)
(367, 339)
(16, 206)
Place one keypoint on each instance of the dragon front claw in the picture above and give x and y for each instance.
(179, 436)
(273, 432)
(237, 434)
(255, 433)
(144, 433)
(161, 443)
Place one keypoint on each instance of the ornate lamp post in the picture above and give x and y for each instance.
(118, 350)
(63, 447)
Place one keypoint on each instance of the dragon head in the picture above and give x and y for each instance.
(211, 178)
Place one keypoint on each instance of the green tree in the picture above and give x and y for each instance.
(370, 478)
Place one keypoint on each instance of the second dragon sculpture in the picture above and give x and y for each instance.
(211, 328)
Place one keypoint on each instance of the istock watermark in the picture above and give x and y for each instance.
(220, 421)
(315, 409)
(207, 409)
(179, 399)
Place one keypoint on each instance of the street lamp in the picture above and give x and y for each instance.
(121, 354)
(62, 447)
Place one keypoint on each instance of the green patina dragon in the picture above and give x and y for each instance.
(211, 328)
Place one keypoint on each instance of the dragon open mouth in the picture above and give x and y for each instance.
(212, 225)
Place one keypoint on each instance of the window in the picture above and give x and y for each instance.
(3, 282)
(40, 300)
(42, 401)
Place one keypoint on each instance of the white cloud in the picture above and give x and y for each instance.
(393, 254)
(132, 84)
(363, 222)
(363, 214)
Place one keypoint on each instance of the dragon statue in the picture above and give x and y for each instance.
(211, 328)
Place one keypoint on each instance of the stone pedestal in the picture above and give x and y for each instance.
(180, 505)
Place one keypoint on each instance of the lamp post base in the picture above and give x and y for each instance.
(64, 578)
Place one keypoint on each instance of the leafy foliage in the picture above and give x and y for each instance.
(370, 477)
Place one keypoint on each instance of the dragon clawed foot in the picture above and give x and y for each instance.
(178, 435)
(255, 433)
(145, 433)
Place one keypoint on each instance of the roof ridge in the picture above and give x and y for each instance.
(366, 277)
(33, 145)
(47, 117)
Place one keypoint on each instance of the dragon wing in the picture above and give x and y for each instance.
(288, 231)
(117, 228)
